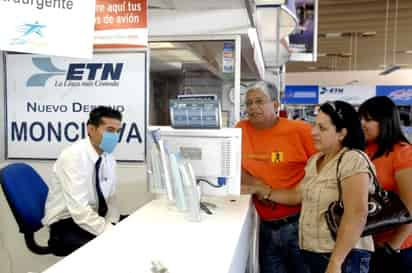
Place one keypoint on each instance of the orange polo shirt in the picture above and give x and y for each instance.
(386, 167)
(277, 156)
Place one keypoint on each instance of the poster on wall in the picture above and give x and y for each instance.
(228, 62)
(400, 94)
(301, 94)
(48, 100)
(303, 41)
(48, 27)
(121, 23)
(353, 94)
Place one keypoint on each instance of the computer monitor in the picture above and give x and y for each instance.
(215, 156)
(200, 111)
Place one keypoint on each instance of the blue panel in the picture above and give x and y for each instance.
(301, 94)
(400, 94)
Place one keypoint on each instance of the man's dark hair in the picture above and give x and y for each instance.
(343, 115)
(384, 111)
(96, 115)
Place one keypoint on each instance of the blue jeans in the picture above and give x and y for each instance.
(383, 262)
(405, 259)
(279, 249)
(357, 261)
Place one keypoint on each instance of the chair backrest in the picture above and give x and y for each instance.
(26, 193)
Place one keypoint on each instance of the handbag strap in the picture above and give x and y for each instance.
(378, 189)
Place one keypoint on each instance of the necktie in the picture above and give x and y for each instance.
(102, 206)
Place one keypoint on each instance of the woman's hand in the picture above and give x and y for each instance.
(252, 185)
(259, 189)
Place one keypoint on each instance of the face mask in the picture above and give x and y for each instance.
(109, 141)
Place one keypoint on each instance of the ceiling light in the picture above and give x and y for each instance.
(409, 51)
(341, 54)
(328, 35)
(179, 55)
(389, 69)
(345, 54)
(368, 34)
(313, 67)
(333, 35)
(161, 45)
(352, 82)
(398, 64)
(269, 2)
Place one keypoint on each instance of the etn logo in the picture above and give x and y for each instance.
(331, 90)
(75, 71)
(81, 71)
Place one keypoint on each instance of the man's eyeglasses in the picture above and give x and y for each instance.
(258, 102)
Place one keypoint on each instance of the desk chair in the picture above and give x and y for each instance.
(26, 194)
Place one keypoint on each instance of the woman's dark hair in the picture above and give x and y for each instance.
(343, 115)
(384, 111)
(96, 115)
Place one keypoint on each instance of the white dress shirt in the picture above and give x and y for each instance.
(72, 191)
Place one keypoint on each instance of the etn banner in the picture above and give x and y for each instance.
(400, 94)
(301, 94)
(353, 94)
(49, 100)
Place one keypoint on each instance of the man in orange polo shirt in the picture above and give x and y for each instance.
(274, 152)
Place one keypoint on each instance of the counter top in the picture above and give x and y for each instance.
(158, 232)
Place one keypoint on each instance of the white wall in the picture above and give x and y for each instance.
(14, 255)
(399, 77)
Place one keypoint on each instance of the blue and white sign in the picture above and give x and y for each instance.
(58, 27)
(400, 94)
(301, 94)
(353, 94)
(49, 100)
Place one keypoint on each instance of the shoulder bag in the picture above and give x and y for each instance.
(385, 209)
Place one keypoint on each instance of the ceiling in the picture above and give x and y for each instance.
(344, 43)
(220, 19)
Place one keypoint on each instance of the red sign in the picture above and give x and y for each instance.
(121, 23)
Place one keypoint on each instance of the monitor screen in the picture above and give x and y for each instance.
(215, 156)
(202, 111)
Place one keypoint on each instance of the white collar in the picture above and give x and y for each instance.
(91, 151)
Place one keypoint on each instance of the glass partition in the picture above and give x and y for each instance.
(192, 67)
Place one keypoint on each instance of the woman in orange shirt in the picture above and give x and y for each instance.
(391, 153)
